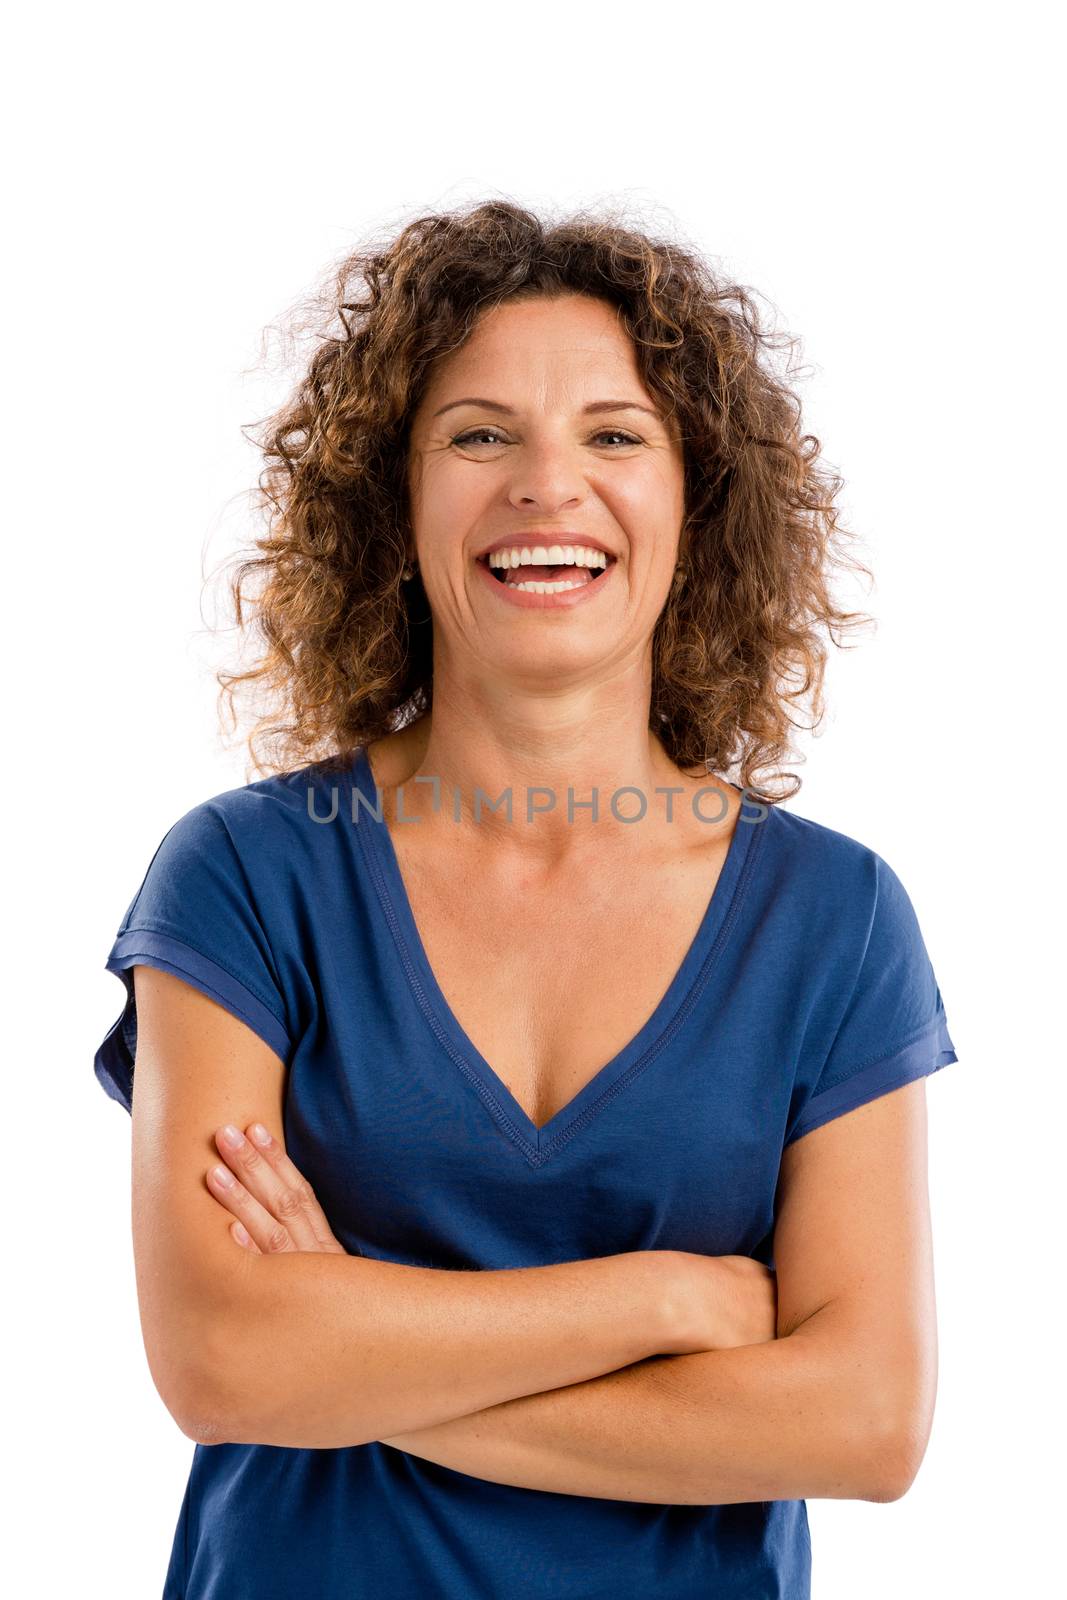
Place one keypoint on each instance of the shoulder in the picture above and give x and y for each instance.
(841, 885)
(257, 855)
(264, 838)
(278, 804)
(817, 850)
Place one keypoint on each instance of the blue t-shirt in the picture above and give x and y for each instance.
(806, 992)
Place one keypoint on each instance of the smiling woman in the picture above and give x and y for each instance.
(590, 1235)
(662, 364)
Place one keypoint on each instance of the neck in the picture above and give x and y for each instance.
(555, 755)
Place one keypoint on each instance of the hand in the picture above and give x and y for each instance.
(726, 1301)
(273, 1203)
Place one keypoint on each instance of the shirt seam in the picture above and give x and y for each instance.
(882, 1055)
(155, 925)
(681, 1016)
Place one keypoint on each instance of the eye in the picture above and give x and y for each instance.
(627, 438)
(473, 434)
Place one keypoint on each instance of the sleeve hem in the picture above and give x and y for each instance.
(114, 1060)
(932, 1050)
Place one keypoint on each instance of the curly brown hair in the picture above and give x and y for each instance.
(347, 654)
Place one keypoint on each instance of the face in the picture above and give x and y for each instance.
(539, 434)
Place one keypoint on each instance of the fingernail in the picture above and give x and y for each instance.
(224, 1176)
(260, 1134)
(233, 1137)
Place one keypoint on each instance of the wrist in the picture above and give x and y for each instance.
(672, 1310)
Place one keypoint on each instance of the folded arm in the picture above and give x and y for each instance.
(838, 1406)
(312, 1350)
(769, 1421)
(541, 1370)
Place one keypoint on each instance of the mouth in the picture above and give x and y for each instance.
(544, 577)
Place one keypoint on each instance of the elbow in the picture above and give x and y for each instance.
(196, 1379)
(894, 1455)
(219, 1405)
(210, 1411)
(230, 1393)
(900, 1417)
(202, 1427)
(194, 1404)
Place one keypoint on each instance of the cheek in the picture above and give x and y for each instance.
(448, 500)
(648, 502)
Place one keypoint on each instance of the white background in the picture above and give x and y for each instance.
(885, 179)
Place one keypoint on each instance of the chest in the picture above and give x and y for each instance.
(552, 974)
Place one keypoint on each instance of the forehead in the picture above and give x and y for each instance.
(540, 345)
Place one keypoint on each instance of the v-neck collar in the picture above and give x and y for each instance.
(668, 1017)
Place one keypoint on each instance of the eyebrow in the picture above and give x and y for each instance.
(592, 409)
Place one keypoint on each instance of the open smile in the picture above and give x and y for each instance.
(540, 578)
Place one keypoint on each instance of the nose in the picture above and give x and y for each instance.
(546, 476)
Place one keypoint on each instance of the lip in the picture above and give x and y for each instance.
(562, 599)
(544, 538)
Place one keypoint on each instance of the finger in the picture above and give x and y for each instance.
(244, 1238)
(287, 1203)
(293, 1180)
(266, 1230)
(274, 1152)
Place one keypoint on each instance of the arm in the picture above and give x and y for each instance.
(760, 1422)
(328, 1350)
(838, 1406)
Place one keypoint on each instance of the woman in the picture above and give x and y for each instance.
(588, 1234)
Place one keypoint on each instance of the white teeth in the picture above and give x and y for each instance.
(553, 556)
(545, 588)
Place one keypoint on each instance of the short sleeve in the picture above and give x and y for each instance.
(196, 916)
(893, 1028)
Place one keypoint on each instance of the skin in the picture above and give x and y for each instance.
(547, 699)
(839, 1350)
(535, 697)
(523, 698)
(556, 699)
(782, 1405)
